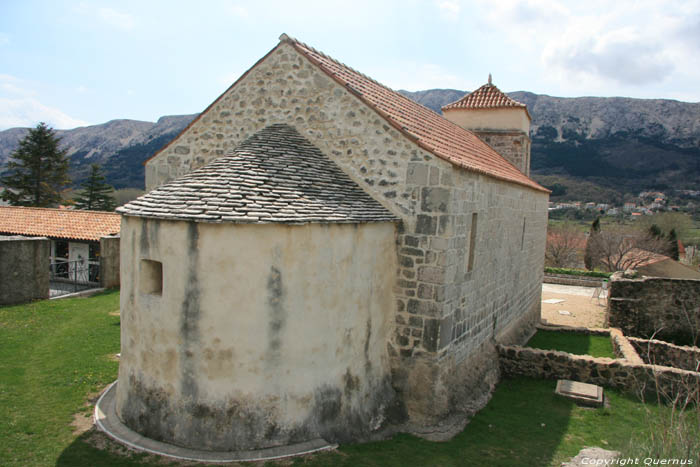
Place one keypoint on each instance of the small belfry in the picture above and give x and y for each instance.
(501, 122)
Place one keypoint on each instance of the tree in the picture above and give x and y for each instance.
(96, 194)
(674, 251)
(37, 170)
(564, 245)
(588, 259)
(617, 248)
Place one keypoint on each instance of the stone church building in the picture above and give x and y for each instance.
(319, 257)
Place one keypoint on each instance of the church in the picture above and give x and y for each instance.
(318, 256)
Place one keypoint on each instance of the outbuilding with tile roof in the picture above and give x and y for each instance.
(320, 256)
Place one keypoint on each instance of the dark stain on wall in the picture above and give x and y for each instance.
(276, 315)
(190, 314)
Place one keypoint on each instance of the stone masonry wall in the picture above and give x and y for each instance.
(447, 316)
(662, 353)
(109, 261)
(513, 145)
(24, 269)
(635, 378)
(666, 308)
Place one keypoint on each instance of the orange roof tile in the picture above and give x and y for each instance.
(428, 129)
(487, 96)
(58, 223)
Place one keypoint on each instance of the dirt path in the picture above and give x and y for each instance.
(576, 307)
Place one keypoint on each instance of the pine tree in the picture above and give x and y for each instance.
(37, 170)
(96, 194)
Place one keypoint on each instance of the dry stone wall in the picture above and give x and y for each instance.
(666, 308)
(450, 309)
(662, 353)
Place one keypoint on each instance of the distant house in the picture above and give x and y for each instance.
(77, 237)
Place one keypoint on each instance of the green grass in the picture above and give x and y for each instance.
(55, 354)
(575, 343)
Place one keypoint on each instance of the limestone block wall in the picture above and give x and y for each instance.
(447, 317)
(666, 308)
(245, 336)
(24, 269)
(109, 261)
(513, 145)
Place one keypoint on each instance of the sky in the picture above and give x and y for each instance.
(77, 63)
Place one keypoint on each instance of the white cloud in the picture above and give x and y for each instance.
(239, 11)
(599, 45)
(449, 9)
(4, 39)
(27, 112)
(116, 18)
(13, 86)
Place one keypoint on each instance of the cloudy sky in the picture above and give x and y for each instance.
(74, 63)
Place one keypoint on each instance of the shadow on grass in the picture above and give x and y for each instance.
(572, 342)
(523, 424)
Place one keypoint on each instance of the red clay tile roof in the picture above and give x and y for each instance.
(428, 129)
(487, 96)
(58, 223)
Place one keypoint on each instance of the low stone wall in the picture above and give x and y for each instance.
(666, 308)
(24, 269)
(629, 374)
(109, 261)
(568, 279)
(662, 353)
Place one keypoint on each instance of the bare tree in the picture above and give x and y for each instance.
(564, 246)
(617, 248)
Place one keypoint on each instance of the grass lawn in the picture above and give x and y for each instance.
(575, 343)
(54, 355)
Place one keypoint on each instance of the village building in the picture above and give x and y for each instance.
(78, 240)
(319, 256)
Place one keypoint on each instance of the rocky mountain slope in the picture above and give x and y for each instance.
(588, 147)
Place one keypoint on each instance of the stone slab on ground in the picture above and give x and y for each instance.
(107, 420)
(581, 393)
(592, 456)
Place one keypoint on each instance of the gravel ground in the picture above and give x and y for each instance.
(578, 308)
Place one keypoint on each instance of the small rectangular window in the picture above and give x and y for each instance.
(151, 275)
(472, 242)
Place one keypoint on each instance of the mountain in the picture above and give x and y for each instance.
(600, 148)
(120, 146)
(586, 148)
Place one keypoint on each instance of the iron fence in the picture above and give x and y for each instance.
(72, 276)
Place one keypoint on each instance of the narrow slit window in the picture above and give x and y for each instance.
(472, 242)
(522, 239)
(151, 277)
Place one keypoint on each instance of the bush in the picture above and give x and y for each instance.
(577, 272)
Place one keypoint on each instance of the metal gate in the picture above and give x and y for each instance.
(72, 276)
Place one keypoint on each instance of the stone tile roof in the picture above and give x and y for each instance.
(276, 175)
(58, 223)
(428, 129)
(487, 96)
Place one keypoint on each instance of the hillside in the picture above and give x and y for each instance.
(589, 148)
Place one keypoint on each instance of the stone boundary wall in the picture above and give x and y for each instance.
(24, 269)
(662, 353)
(627, 374)
(666, 308)
(567, 279)
(109, 261)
